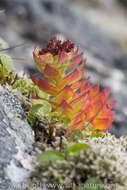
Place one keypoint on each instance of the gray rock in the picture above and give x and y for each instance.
(123, 2)
(44, 18)
(16, 144)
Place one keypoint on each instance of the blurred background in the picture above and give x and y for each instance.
(99, 27)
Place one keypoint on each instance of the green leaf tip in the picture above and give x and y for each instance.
(50, 155)
(7, 62)
(72, 148)
(91, 184)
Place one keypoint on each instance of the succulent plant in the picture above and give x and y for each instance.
(71, 97)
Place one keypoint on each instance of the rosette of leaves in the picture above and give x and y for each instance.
(76, 102)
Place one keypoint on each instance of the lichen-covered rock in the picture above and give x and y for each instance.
(16, 143)
(106, 159)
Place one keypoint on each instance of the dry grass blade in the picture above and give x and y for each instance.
(12, 47)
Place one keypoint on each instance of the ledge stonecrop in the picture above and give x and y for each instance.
(81, 103)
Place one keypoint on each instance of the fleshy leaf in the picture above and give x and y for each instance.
(63, 57)
(93, 184)
(46, 57)
(79, 84)
(65, 108)
(50, 155)
(35, 108)
(47, 87)
(34, 79)
(7, 62)
(45, 109)
(72, 148)
(65, 120)
(65, 94)
(75, 135)
(71, 78)
(76, 60)
(50, 72)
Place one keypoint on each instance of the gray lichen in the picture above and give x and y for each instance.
(16, 143)
(106, 159)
